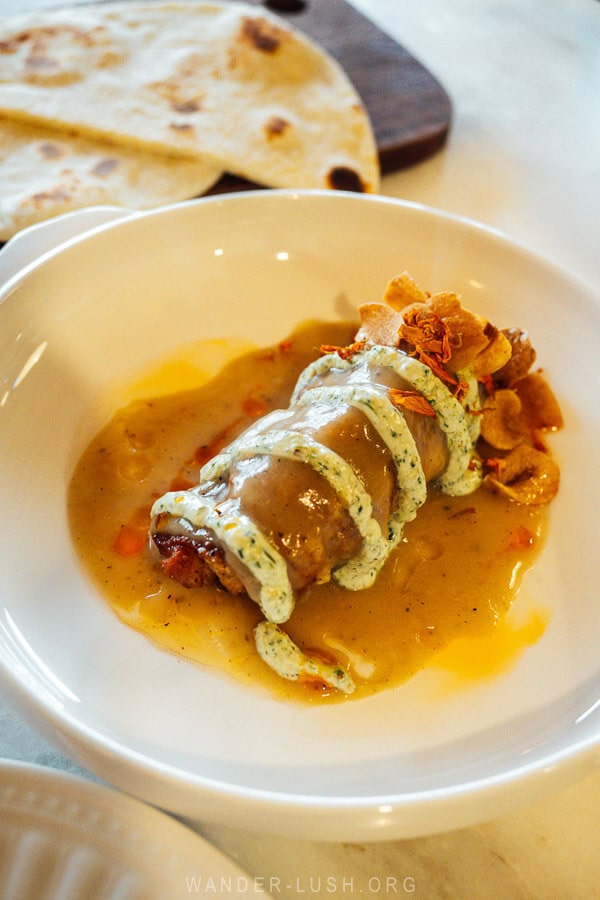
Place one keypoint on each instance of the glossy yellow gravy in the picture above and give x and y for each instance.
(441, 599)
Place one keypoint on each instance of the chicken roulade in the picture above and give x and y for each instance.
(322, 490)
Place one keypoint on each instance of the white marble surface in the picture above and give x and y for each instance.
(524, 157)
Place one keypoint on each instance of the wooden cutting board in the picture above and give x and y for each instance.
(410, 110)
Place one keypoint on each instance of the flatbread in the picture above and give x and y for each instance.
(224, 83)
(44, 173)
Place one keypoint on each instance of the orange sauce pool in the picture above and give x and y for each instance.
(448, 585)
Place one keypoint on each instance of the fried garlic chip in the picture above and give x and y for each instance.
(403, 290)
(526, 475)
(502, 424)
(442, 334)
(520, 359)
(438, 326)
(540, 406)
(379, 324)
(493, 357)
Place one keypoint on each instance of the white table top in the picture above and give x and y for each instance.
(523, 156)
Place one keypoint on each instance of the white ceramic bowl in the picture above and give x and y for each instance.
(406, 762)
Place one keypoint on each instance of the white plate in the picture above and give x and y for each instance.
(64, 838)
(401, 763)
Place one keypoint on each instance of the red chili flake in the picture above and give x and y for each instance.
(285, 346)
(435, 364)
(267, 355)
(344, 352)
(520, 538)
(411, 400)
(427, 333)
(254, 406)
(425, 336)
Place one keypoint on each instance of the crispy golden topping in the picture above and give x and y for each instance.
(520, 361)
(526, 475)
(540, 406)
(401, 291)
(519, 405)
(502, 423)
(436, 328)
(379, 324)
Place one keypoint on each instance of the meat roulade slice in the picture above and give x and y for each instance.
(322, 490)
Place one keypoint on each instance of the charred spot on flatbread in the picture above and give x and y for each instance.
(105, 166)
(181, 89)
(50, 150)
(181, 127)
(343, 178)
(275, 126)
(186, 106)
(42, 53)
(56, 195)
(261, 34)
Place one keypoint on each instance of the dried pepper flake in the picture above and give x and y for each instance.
(254, 406)
(344, 352)
(429, 338)
(411, 400)
(466, 511)
(427, 334)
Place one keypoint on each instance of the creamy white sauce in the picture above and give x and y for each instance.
(243, 538)
(280, 652)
